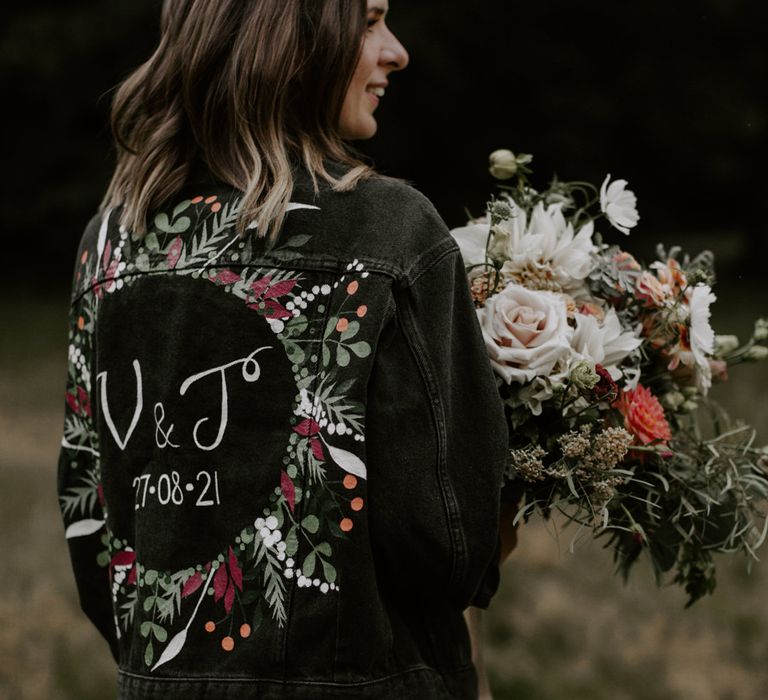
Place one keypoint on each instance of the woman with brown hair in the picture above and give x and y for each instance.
(283, 447)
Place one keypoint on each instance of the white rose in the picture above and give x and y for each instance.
(526, 332)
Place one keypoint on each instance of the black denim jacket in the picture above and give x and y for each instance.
(281, 469)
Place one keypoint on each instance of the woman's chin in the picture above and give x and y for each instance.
(364, 129)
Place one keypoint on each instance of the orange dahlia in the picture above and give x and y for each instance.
(644, 417)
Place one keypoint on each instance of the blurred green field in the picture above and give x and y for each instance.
(562, 626)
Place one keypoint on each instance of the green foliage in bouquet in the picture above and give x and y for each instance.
(604, 366)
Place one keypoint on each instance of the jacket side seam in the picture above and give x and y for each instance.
(450, 503)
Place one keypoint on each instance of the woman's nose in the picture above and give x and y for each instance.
(394, 54)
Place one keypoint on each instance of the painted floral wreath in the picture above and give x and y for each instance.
(266, 550)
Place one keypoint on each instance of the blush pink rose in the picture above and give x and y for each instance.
(526, 332)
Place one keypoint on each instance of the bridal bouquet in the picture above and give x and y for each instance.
(604, 366)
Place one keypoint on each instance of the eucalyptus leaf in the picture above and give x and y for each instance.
(342, 356)
(310, 523)
(308, 568)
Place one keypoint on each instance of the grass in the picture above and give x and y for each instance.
(561, 626)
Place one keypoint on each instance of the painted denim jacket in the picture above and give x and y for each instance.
(281, 469)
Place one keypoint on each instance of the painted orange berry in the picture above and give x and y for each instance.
(81, 323)
(357, 503)
(197, 200)
(352, 287)
(342, 325)
(350, 481)
(211, 200)
(210, 626)
(345, 524)
(216, 207)
(362, 310)
(245, 630)
(227, 644)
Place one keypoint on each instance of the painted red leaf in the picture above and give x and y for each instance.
(193, 583)
(85, 402)
(234, 570)
(123, 558)
(279, 288)
(229, 597)
(307, 427)
(317, 449)
(226, 277)
(131, 576)
(289, 491)
(72, 403)
(107, 255)
(260, 285)
(174, 252)
(276, 310)
(220, 580)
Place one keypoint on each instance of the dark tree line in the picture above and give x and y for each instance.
(669, 96)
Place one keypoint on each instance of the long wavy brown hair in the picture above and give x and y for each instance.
(253, 88)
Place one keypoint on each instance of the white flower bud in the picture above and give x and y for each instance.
(757, 353)
(503, 164)
(673, 400)
(726, 344)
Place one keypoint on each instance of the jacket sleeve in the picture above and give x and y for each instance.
(436, 416)
(79, 487)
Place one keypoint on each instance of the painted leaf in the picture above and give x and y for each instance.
(279, 289)
(288, 489)
(149, 654)
(160, 634)
(342, 356)
(229, 597)
(226, 277)
(193, 583)
(361, 349)
(352, 329)
(348, 462)
(172, 650)
(146, 628)
(308, 568)
(150, 240)
(317, 449)
(310, 523)
(83, 527)
(276, 310)
(180, 225)
(181, 207)
(123, 558)
(162, 223)
(258, 287)
(150, 576)
(291, 542)
(220, 579)
(329, 570)
(72, 403)
(84, 401)
(234, 570)
(324, 548)
(174, 252)
(307, 427)
(107, 255)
